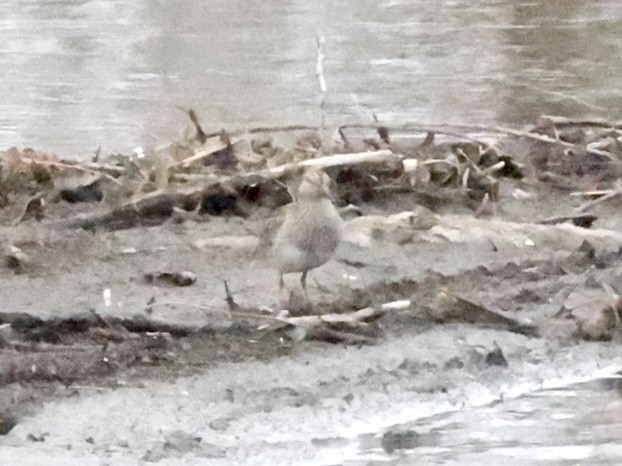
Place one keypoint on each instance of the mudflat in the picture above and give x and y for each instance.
(122, 345)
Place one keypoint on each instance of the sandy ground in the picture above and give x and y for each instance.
(218, 388)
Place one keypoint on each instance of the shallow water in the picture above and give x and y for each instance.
(579, 424)
(78, 74)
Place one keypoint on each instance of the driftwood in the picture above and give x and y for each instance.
(580, 220)
(462, 132)
(605, 196)
(377, 157)
(454, 130)
(343, 328)
(471, 165)
(440, 128)
(19, 326)
(108, 171)
(34, 328)
(156, 207)
(593, 122)
(200, 155)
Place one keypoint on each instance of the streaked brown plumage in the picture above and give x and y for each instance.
(305, 234)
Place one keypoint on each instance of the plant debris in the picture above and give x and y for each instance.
(495, 234)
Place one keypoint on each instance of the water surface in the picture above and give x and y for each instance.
(579, 424)
(78, 74)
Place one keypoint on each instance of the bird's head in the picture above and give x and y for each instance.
(314, 184)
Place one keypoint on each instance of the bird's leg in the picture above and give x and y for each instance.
(283, 293)
(303, 282)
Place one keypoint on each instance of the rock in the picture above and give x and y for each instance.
(15, 258)
(399, 228)
(596, 313)
(7, 422)
(496, 357)
(183, 278)
(399, 440)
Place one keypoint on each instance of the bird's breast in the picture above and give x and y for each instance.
(309, 238)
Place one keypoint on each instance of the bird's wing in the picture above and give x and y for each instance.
(270, 229)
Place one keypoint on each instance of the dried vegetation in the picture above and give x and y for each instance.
(229, 173)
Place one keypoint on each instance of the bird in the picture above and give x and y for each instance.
(304, 234)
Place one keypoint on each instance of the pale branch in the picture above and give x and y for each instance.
(596, 123)
(380, 156)
(354, 318)
(588, 205)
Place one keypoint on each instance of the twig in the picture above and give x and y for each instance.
(616, 191)
(442, 128)
(319, 71)
(81, 168)
(344, 138)
(446, 162)
(493, 168)
(380, 156)
(606, 197)
(534, 136)
(319, 65)
(468, 160)
(200, 154)
(201, 136)
(430, 132)
(581, 220)
(233, 306)
(597, 123)
(362, 315)
(595, 192)
(447, 129)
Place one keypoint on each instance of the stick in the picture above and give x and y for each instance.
(606, 197)
(220, 145)
(380, 156)
(319, 65)
(81, 168)
(319, 71)
(353, 318)
(446, 129)
(233, 306)
(598, 123)
(442, 128)
(535, 136)
(596, 192)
